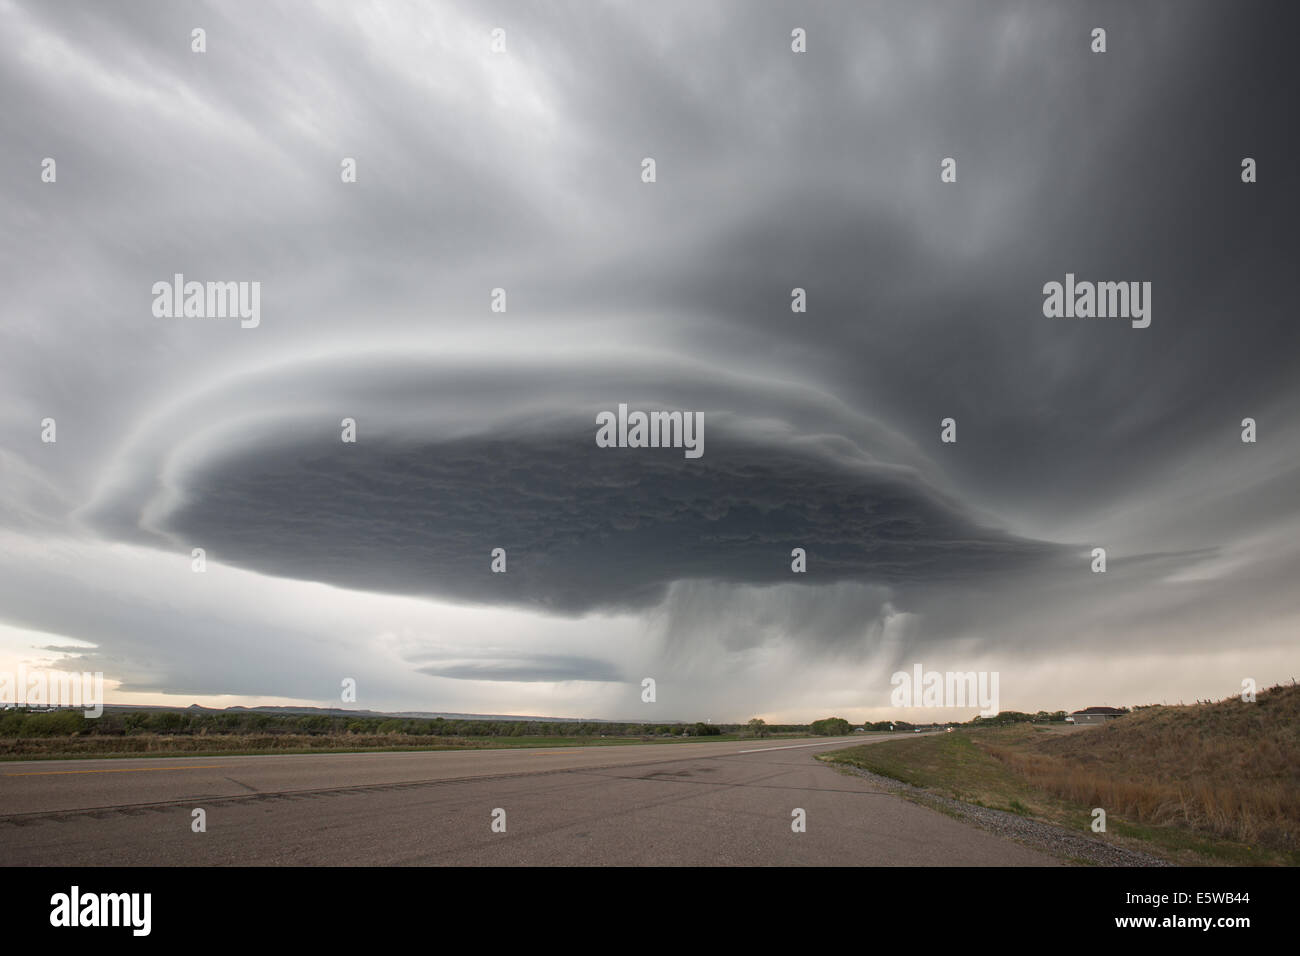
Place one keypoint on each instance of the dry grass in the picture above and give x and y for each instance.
(1231, 769)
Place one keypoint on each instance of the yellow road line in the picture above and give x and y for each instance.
(50, 773)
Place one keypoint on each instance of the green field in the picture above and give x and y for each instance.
(213, 745)
(37, 734)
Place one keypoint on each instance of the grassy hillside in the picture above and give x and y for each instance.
(1229, 768)
(1215, 782)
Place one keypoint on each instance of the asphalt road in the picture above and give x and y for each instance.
(679, 804)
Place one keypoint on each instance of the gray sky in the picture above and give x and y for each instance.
(522, 170)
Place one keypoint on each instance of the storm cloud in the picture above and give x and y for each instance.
(450, 464)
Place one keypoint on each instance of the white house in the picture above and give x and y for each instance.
(1094, 715)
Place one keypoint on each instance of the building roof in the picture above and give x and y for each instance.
(1099, 710)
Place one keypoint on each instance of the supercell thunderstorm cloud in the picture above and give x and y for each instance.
(886, 382)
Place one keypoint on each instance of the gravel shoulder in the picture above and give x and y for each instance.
(1073, 847)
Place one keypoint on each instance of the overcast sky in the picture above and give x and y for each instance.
(476, 430)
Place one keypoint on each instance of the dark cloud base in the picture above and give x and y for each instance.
(583, 527)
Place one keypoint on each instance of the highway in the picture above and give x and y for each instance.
(727, 803)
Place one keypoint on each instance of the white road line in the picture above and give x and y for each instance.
(790, 747)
